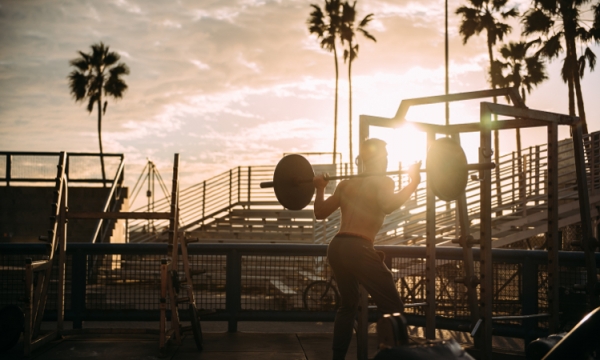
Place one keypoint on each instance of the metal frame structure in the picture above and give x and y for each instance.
(168, 270)
(38, 273)
(522, 117)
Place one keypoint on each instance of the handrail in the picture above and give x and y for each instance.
(114, 195)
(43, 170)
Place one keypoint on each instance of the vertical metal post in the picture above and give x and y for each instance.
(537, 171)
(430, 256)
(529, 296)
(588, 243)
(592, 161)
(485, 258)
(363, 131)
(514, 172)
(62, 248)
(463, 230)
(203, 200)
(8, 169)
(28, 308)
(233, 289)
(78, 283)
(552, 234)
(162, 328)
(249, 186)
(230, 185)
(239, 185)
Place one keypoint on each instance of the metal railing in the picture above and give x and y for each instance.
(39, 167)
(251, 282)
(203, 203)
(522, 192)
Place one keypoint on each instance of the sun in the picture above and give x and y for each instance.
(405, 145)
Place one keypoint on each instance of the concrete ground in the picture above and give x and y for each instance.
(254, 340)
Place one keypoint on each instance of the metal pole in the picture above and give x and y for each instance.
(8, 169)
(588, 243)
(249, 187)
(552, 234)
(447, 83)
(430, 257)
(485, 260)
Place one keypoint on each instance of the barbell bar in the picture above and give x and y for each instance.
(270, 184)
(446, 167)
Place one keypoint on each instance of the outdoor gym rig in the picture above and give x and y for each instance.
(446, 166)
(520, 117)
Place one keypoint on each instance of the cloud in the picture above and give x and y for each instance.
(225, 83)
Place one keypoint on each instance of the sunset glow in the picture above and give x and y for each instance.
(239, 83)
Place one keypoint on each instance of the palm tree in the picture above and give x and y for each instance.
(348, 32)
(559, 24)
(327, 33)
(477, 16)
(94, 73)
(524, 73)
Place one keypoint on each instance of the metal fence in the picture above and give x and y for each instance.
(40, 167)
(245, 282)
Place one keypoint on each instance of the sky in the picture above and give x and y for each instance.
(229, 83)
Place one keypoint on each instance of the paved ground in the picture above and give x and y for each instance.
(254, 340)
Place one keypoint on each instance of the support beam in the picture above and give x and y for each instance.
(486, 269)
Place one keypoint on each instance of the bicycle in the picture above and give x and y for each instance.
(321, 295)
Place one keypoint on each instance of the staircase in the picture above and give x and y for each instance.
(231, 207)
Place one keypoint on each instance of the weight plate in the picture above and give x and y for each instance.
(447, 169)
(12, 321)
(196, 329)
(293, 182)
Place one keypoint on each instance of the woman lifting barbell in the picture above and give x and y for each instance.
(364, 202)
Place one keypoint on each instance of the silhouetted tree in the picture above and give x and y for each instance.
(95, 73)
(523, 72)
(482, 15)
(327, 27)
(349, 30)
(559, 24)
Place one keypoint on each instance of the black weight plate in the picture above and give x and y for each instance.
(293, 182)
(447, 169)
(12, 321)
(196, 329)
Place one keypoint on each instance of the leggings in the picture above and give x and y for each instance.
(353, 261)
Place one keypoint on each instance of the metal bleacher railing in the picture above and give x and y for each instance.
(517, 205)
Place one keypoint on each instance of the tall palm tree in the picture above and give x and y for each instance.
(523, 72)
(327, 34)
(479, 16)
(94, 73)
(558, 22)
(348, 32)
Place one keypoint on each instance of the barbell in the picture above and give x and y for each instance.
(446, 167)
